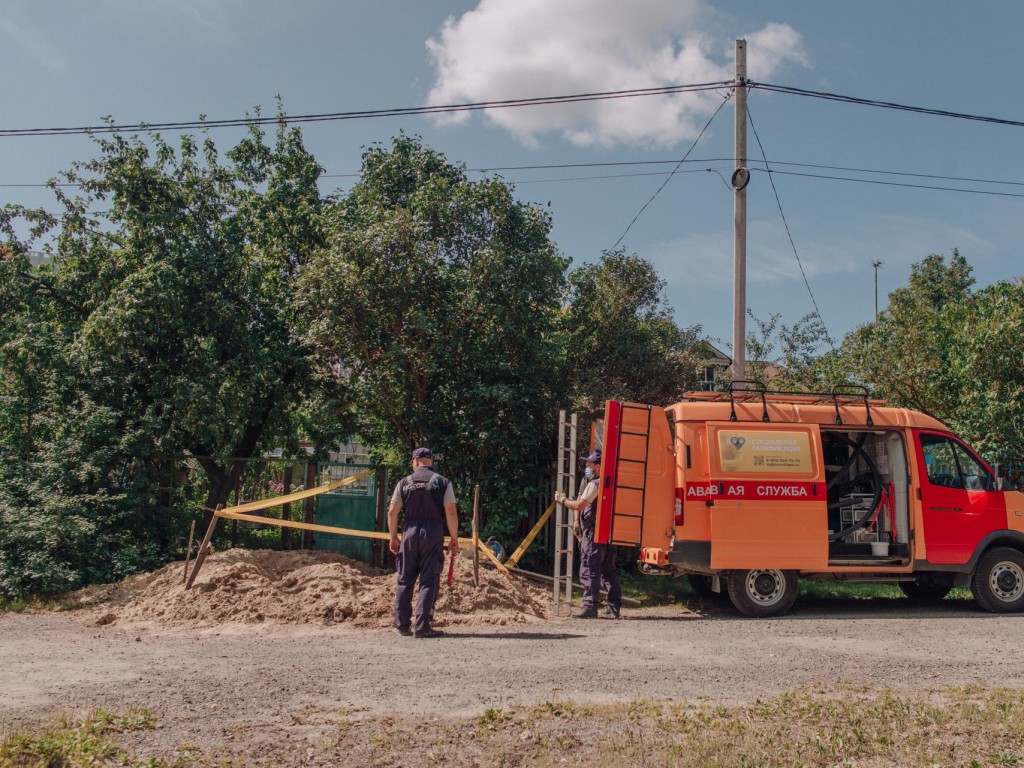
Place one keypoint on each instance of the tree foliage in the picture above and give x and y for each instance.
(951, 352)
(164, 327)
(621, 339)
(438, 297)
(202, 309)
(800, 358)
(905, 355)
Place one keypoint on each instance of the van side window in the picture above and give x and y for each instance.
(973, 474)
(950, 465)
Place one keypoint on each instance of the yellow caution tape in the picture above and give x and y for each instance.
(277, 501)
(511, 562)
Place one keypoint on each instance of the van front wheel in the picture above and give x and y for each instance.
(762, 592)
(998, 581)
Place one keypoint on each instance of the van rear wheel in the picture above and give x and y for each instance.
(998, 581)
(762, 592)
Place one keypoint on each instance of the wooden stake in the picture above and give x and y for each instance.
(188, 551)
(476, 535)
(201, 554)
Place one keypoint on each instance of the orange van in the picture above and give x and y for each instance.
(748, 491)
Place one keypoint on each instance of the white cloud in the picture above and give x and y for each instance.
(508, 49)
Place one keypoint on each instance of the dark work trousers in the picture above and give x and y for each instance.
(597, 569)
(422, 555)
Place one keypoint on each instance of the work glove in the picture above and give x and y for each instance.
(577, 531)
(560, 497)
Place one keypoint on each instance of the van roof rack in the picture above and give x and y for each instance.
(744, 391)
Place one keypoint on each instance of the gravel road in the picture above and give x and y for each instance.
(219, 686)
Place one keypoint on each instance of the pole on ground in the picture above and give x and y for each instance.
(381, 521)
(476, 535)
(188, 550)
(739, 241)
(286, 509)
(201, 554)
(307, 535)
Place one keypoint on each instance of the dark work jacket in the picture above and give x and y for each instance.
(423, 495)
(588, 515)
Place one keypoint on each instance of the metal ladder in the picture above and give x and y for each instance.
(565, 542)
(646, 434)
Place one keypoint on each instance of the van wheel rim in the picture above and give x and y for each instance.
(765, 587)
(1006, 581)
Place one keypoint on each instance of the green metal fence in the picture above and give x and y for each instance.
(352, 506)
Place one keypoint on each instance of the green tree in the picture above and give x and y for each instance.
(438, 297)
(169, 305)
(801, 357)
(905, 355)
(951, 352)
(987, 362)
(622, 342)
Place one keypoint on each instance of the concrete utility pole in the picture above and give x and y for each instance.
(740, 177)
(876, 265)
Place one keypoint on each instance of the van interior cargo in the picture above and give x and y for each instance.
(866, 479)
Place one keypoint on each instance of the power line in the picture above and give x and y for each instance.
(674, 171)
(520, 182)
(964, 190)
(630, 163)
(884, 104)
(203, 123)
(365, 114)
(785, 223)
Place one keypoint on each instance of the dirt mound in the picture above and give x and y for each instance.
(303, 587)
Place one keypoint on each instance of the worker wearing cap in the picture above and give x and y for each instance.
(597, 561)
(429, 501)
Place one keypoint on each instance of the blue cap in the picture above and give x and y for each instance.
(595, 457)
(422, 453)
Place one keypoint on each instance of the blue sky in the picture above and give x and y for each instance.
(69, 63)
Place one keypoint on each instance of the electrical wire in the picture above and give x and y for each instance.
(789, 234)
(520, 182)
(674, 171)
(896, 184)
(203, 123)
(883, 104)
(629, 163)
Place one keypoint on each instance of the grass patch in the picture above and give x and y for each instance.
(86, 743)
(656, 590)
(847, 726)
(32, 603)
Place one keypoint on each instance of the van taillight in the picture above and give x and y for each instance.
(679, 506)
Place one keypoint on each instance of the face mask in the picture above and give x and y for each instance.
(589, 474)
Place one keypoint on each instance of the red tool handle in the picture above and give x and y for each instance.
(451, 570)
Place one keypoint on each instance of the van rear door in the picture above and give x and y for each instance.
(769, 506)
(636, 502)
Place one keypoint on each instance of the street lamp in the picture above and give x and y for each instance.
(876, 265)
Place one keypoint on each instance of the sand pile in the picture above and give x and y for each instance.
(302, 587)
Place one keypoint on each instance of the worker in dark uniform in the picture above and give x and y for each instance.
(597, 561)
(429, 502)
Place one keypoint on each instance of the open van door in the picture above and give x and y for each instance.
(636, 500)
